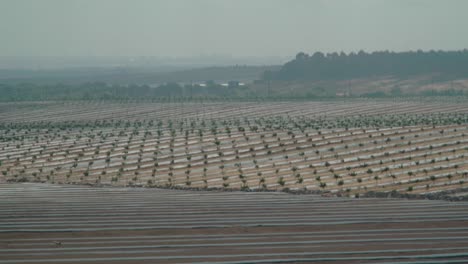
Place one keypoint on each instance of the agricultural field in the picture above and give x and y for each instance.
(339, 181)
(136, 132)
(44, 223)
(342, 148)
(208, 109)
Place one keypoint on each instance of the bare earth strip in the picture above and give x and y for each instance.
(45, 223)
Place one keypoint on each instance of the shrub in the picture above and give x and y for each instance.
(281, 181)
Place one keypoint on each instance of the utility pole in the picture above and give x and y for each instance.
(191, 91)
(349, 88)
(268, 87)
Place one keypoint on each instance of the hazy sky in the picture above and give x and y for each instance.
(228, 27)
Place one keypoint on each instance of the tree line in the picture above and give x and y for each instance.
(340, 66)
(104, 91)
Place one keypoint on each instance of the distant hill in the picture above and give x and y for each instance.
(123, 76)
(341, 66)
(377, 74)
(238, 73)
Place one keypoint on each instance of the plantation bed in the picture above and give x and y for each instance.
(45, 223)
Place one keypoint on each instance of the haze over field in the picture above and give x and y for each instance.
(233, 131)
(272, 31)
